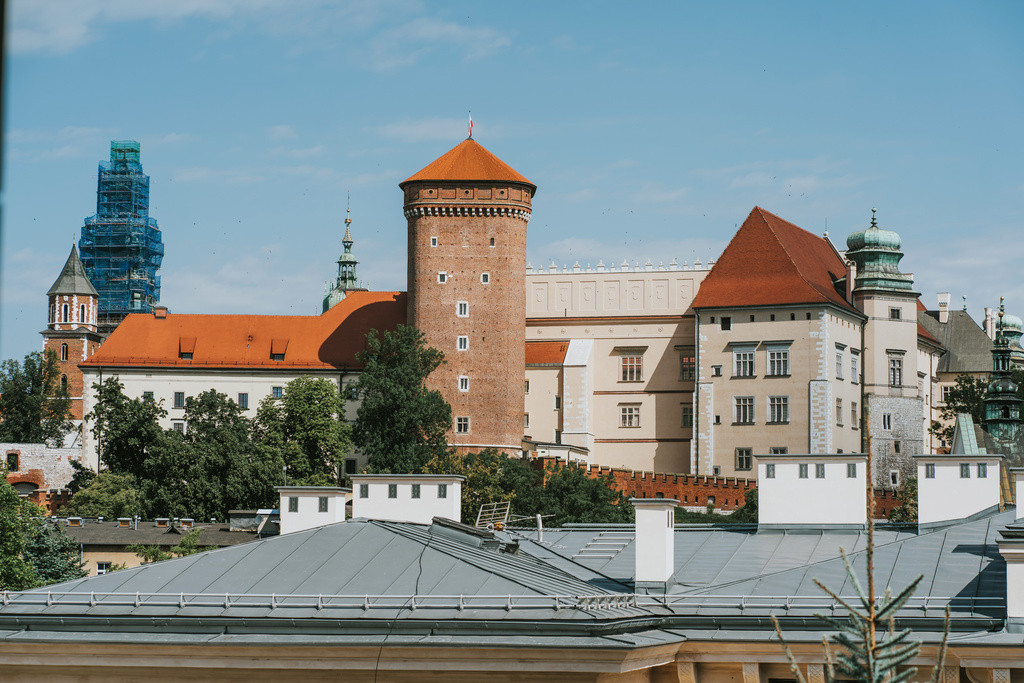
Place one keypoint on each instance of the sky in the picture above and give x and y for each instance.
(651, 131)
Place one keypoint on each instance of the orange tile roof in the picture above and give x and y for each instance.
(770, 262)
(544, 353)
(921, 331)
(324, 341)
(468, 161)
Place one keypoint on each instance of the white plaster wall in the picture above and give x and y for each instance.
(405, 508)
(788, 499)
(309, 515)
(947, 496)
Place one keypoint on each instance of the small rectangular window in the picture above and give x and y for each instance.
(463, 383)
(392, 490)
(716, 470)
(415, 490)
(929, 471)
(442, 277)
(277, 356)
(743, 410)
(894, 478)
(769, 471)
(526, 420)
(13, 463)
(895, 314)
(147, 395)
(854, 370)
(293, 503)
(839, 412)
(853, 414)
(442, 490)
(744, 459)
(687, 412)
(185, 355)
(243, 401)
(982, 470)
(851, 470)
(803, 470)
(433, 241)
(778, 450)
(778, 409)
(102, 568)
(629, 415)
(492, 242)
(364, 490)
(179, 399)
(743, 362)
(726, 323)
(462, 309)
(687, 365)
(965, 470)
(558, 436)
(462, 342)
(526, 386)
(840, 361)
(179, 427)
(887, 421)
(896, 446)
(778, 362)
(485, 278)
(631, 368)
(716, 370)
(558, 402)
(895, 371)
(462, 425)
(276, 392)
(322, 503)
(819, 470)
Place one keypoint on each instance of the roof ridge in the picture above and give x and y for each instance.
(782, 243)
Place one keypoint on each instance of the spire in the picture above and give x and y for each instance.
(72, 279)
(877, 254)
(1002, 406)
(346, 281)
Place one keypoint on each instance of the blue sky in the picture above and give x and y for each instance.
(650, 129)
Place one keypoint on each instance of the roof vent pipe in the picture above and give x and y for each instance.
(851, 278)
(655, 543)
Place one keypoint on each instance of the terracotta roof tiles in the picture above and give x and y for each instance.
(769, 262)
(546, 353)
(468, 161)
(325, 341)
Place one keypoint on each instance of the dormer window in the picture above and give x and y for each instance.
(186, 347)
(278, 347)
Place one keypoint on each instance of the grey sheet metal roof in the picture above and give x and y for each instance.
(72, 278)
(968, 348)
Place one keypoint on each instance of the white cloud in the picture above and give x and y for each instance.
(281, 132)
(406, 44)
(299, 152)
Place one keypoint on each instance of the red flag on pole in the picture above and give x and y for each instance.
(470, 124)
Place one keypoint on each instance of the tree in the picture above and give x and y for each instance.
(968, 396)
(33, 552)
(906, 512)
(188, 545)
(109, 495)
(401, 424)
(570, 495)
(305, 424)
(491, 477)
(126, 429)
(34, 406)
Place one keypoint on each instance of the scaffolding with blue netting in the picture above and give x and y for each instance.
(121, 247)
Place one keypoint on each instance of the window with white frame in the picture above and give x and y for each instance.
(802, 470)
(819, 470)
(839, 412)
(982, 470)
(853, 414)
(840, 361)
(855, 366)
(179, 399)
(769, 471)
(743, 361)
(687, 364)
(743, 410)
(851, 470)
(778, 361)
(276, 392)
(778, 409)
(778, 450)
(433, 241)
(894, 478)
(462, 342)
(887, 421)
(895, 314)
(102, 568)
(485, 278)
(81, 313)
(632, 368)
(442, 276)
(929, 471)
(965, 470)
(462, 425)
(463, 383)
(526, 420)
(895, 371)
(526, 386)
(744, 458)
(63, 351)
(946, 389)
(629, 415)
(462, 309)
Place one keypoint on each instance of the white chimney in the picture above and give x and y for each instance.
(955, 486)
(655, 542)
(819, 490)
(851, 278)
(1017, 473)
(1011, 547)
(305, 507)
(990, 323)
(943, 307)
(416, 498)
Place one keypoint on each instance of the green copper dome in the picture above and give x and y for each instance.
(877, 255)
(1012, 323)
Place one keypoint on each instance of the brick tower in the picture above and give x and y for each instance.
(71, 330)
(467, 214)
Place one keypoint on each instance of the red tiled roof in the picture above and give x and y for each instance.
(324, 341)
(542, 353)
(921, 331)
(769, 262)
(468, 161)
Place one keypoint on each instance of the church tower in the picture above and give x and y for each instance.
(1002, 406)
(71, 331)
(467, 214)
(346, 281)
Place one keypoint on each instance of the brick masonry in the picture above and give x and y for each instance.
(47, 470)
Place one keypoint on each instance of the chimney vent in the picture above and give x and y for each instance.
(943, 307)
(655, 543)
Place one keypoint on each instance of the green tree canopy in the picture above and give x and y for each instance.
(968, 396)
(126, 429)
(108, 495)
(34, 406)
(305, 424)
(401, 424)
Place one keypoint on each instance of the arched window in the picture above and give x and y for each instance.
(63, 351)
(64, 313)
(81, 313)
(63, 382)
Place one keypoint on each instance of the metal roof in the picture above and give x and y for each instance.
(968, 348)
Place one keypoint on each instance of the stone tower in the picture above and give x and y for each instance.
(71, 330)
(347, 281)
(467, 214)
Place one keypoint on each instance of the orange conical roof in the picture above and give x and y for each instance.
(468, 161)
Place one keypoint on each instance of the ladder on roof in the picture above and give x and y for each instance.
(605, 545)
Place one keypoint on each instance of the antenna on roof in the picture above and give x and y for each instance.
(965, 302)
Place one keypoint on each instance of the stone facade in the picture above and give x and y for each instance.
(40, 473)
